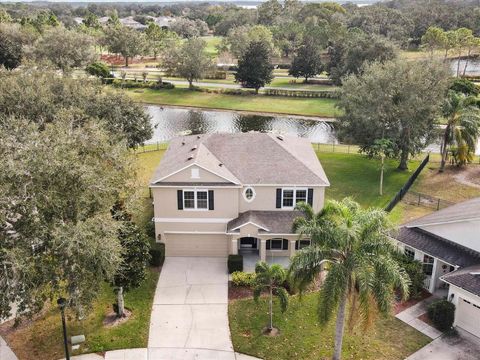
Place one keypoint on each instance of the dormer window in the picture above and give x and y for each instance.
(195, 173)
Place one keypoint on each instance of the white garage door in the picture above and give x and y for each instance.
(468, 316)
(196, 245)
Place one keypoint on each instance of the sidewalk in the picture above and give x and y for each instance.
(5, 352)
(410, 316)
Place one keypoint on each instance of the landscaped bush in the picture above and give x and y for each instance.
(132, 84)
(217, 75)
(442, 314)
(157, 253)
(240, 278)
(465, 86)
(235, 263)
(415, 272)
(301, 93)
(98, 69)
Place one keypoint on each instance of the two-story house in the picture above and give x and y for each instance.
(447, 242)
(216, 194)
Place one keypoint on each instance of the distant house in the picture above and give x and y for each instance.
(221, 194)
(131, 23)
(447, 242)
(164, 22)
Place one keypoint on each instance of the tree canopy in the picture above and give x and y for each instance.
(58, 183)
(395, 100)
(254, 67)
(43, 96)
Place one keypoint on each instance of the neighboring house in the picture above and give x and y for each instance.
(221, 194)
(447, 242)
(131, 23)
(164, 21)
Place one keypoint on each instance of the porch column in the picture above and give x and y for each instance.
(234, 247)
(291, 248)
(433, 279)
(263, 250)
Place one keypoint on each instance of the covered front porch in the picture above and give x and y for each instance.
(250, 259)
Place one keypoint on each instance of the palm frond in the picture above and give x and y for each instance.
(283, 297)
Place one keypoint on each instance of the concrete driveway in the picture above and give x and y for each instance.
(190, 311)
(462, 347)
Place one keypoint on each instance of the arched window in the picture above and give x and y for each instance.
(249, 194)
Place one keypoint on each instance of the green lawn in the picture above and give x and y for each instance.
(302, 338)
(357, 176)
(42, 339)
(259, 103)
(212, 42)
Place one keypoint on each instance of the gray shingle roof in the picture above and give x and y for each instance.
(438, 247)
(464, 279)
(246, 158)
(464, 211)
(275, 222)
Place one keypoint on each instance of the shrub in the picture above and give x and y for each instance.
(465, 86)
(157, 253)
(240, 278)
(414, 269)
(98, 69)
(235, 263)
(133, 84)
(442, 314)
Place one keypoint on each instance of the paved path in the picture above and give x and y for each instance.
(463, 346)
(410, 316)
(189, 315)
(5, 352)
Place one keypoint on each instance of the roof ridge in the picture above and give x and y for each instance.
(284, 148)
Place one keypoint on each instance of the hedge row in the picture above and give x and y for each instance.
(157, 254)
(297, 93)
(132, 84)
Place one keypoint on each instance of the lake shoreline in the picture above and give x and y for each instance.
(243, 112)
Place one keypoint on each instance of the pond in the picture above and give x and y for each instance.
(473, 67)
(170, 122)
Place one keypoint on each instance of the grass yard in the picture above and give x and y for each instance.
(42, 339)
(302, 338)
(212, 42)
(357, 176)
(266, 104)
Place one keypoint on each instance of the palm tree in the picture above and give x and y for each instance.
(271, 278)
(462, 129)
(361, 269)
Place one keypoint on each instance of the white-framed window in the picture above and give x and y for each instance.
(195, 173)
(300, 244)
(409, 252)
(291, 197)
(195, 199)
(428, 264)
(277, 244)
(249, 194)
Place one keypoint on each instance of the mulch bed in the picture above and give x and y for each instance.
(239, 292)
(112, 320)
(400, 306)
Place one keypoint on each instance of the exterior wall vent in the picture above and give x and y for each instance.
(280, 137)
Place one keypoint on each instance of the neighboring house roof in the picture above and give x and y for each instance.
(467, 278)
(246, 158)
(464, 211)
(438, 247)
(274, 222)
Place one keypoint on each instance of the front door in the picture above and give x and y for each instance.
(248, 243)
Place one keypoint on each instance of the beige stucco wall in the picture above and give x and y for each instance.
(186, 175)
(266, 198)
(464, 233)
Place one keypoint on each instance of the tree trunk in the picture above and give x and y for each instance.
(381, 175)
(466, 62)
(256, 91)
(120, 302)
(271, 309)
(444, 148)
(458, 65)
(190, 84)
(339, 327)
(403, 160)
(126, 61)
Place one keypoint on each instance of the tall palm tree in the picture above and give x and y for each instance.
(361, 269)
(462, 129)
(271, 278)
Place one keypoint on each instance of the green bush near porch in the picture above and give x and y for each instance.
(302, 338)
